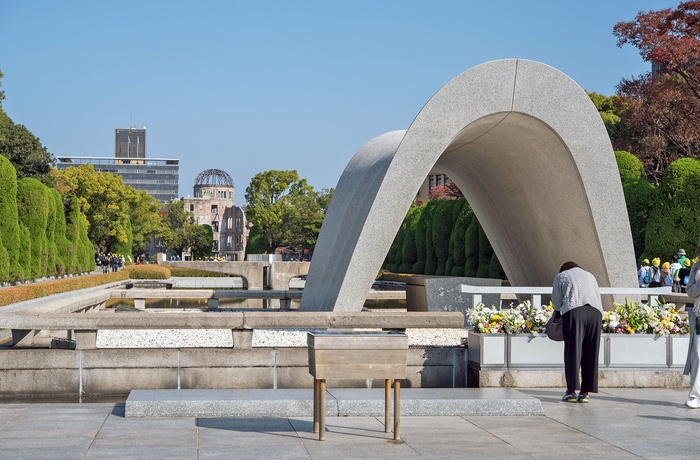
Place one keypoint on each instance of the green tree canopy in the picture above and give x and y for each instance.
(285, 210)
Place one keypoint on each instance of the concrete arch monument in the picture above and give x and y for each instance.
(529, 151)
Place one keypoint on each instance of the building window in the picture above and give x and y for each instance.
(215, 226)
(431, 182)
(215, 246)
(214, 209)
(191, 208)
(229, 241)
(229, 222)
(438, 180)
(239, 222)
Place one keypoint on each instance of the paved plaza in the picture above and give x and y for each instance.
(617, 423)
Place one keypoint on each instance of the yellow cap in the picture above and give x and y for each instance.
(645, 261)
(656, 261)
(665, 265)
(686, 262)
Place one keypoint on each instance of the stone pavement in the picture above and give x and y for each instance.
(617, 423)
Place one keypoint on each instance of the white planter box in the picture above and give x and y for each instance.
(526, 350)
(487, 350)
(617, 351)
(678, 350)
(635, 350)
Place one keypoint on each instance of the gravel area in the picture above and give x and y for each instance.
(222, 338)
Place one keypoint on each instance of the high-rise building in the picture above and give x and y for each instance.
(159, 177)
(130, 143)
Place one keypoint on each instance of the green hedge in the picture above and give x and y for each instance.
(14, 294)
(33, 213)
(9, 219)
(674, 221)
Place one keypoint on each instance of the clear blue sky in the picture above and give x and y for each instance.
(258, 85)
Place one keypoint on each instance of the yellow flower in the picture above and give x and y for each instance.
(495, 317)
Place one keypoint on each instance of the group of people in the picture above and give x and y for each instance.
(576, 295)
(675, 273)
(109, 262)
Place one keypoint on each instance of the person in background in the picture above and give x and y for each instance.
(666, 275)
(675, 266)
(692, 363)
(643, 273)
(655, 273)
(684, 274)
(682, 257)
(575, 293)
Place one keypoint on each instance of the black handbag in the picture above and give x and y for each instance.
(554, 328)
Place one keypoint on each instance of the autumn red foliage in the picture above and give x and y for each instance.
(660, 110)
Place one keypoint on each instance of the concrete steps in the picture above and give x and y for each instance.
(340, 402)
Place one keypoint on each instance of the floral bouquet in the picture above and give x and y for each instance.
(627, 318)
(636, 318)
(522, 319)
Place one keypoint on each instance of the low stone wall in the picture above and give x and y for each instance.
(52, 372)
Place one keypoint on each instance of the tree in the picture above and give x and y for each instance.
(660, 110)
(285, 210)
(607, 107)
(120, 218)
(180, 233)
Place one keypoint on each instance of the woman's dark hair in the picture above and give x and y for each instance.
(568, 266)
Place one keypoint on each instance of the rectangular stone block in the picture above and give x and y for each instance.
(218, 357)
(15, 359)
(123, 380)
(130, 358)
(43, 382)
(294, 377)
(226, 377)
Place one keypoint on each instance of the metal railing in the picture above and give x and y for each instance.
(536, 293)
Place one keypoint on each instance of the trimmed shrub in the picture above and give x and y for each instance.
(674, 221)
(420, 240)
(392, 262)
(471, 246)
(495, 269)
(409, 250)
(485, 254)
(456, 209)
(430, 256)
(629, 166)
(441, 226)
(9, 218)
(33, 213)
(640, 196)
(457, 239)
(4, 263)
(25, 251)
(50, 232)
(147, 272)
(16, 294)
(60, 240)
(191, 272)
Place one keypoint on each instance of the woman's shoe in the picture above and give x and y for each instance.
(693, 403)
(569, 397)
(582, 397)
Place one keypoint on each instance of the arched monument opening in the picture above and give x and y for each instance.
(529, 151)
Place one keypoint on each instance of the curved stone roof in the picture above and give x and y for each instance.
(528, 149)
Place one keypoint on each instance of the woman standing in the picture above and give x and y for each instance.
(692, 363)
(576, 295)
